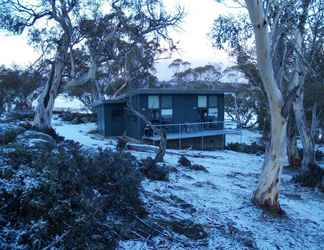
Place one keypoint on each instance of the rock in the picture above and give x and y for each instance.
(36, 140)
(155, 170)
(184, 161)
(8, 132)
(198, 167)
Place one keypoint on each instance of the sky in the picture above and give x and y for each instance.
(192, 36)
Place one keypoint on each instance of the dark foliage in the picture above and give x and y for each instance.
(184, 161)
(253, 148)
(187, 228)
(65, 198)
(18, 116)
(312, 178)
(15, 87)
(77, 118)
(155, 170)
(198, 167)
(8, 132)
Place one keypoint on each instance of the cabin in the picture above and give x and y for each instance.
(191, 118)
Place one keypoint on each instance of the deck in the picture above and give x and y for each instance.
(195, 130)
(205, 133)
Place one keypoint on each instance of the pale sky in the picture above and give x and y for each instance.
(194, 44)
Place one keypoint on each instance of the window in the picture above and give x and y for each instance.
(166, 104)
(213, 112)
(153, 102)
(202, 101)
(213, 101)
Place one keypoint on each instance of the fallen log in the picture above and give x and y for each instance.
(154, 149)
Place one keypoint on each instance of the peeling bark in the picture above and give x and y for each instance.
(267, 192)
(304, 131)
(305, 135)
(44, 109)
(294, 158)
(162, 147)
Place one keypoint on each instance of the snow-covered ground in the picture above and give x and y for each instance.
(220, 201)
(246, 136)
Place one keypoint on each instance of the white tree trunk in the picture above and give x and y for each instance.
(305, 134)
(294, 158)
(267, 192)
(299, 111)
(162, 147)
(45, 105)
(44, 109)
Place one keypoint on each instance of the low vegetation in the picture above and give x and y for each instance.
(66, 197)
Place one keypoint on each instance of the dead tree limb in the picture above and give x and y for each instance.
(162, 147)
(163, 136)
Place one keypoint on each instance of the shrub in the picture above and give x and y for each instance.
(155, 170)
(184, 161)
(310, 178)
(66, 199)
(253, 148)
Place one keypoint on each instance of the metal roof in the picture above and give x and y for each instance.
(111, 101)
(170, 91)
(161, 91)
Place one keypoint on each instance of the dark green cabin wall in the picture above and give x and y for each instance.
(184, 110)
(133, 123)
(100, 119)
(108, 123)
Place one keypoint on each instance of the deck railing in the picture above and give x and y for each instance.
(180, 131)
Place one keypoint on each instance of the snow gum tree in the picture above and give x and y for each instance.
(267, 192)
(281, 62)
(55, 22)
(59, 27)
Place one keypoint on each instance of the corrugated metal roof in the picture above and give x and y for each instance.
(111, 101)
(170, 91)
(217, 90)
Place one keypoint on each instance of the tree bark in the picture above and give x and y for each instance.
(294, 158)
(305, 134)
(267, 192)
(162, 147)
(44, 109)
(299, 112)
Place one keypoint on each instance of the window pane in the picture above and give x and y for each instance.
(166, 102)
(213, 112)
(153, 102)
(202, 101)
(213, 101)
(167, 112)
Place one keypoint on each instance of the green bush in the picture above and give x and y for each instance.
(67, 198)
(253, 148)
(310, 178)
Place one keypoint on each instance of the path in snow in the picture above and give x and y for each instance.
(220, 202)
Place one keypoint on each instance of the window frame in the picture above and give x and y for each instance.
(158, 102)
(205, 101)
(210, 105)
(166, 108)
